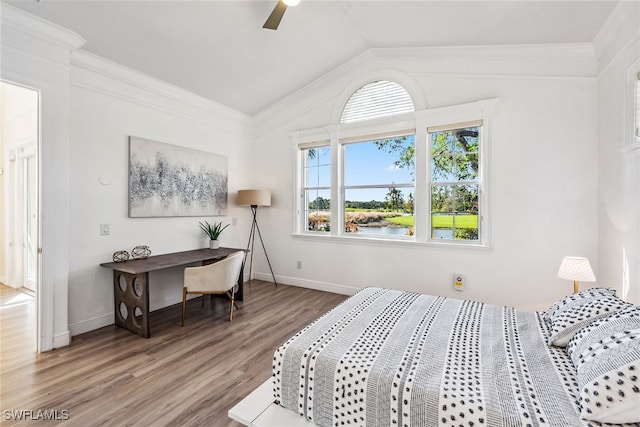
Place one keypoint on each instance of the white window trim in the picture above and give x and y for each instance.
(418, 121)
(483, 217)
(301, 225)
(341, 187)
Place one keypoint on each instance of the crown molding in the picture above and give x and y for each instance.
(110, 78)
(621, 27)
(575, 50)
(21, 21)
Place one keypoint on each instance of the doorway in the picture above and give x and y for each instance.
(19, 191)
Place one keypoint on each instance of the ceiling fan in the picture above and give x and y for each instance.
(274, 19)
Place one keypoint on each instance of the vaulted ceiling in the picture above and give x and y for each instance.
(219, 50)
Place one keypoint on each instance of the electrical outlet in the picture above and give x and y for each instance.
(105, 229)
(299, 265)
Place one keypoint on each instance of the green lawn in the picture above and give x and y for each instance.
(440, 221)
(406, 221)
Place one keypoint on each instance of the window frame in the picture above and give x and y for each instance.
(342, 144)
(417, 123)
(632, 142)
(302, 203)
(477, 181)
(636, 113)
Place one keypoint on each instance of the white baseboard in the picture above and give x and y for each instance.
(91, 324)
(108, 319)
(62, 340)
(309, 284)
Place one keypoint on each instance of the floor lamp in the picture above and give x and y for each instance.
(255, 198)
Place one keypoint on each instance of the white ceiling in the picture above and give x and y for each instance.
(219, 50)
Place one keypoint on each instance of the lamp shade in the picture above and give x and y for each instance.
(576, 268)
(254, 198)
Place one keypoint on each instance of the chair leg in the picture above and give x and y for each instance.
(184, 303)
(232, 304)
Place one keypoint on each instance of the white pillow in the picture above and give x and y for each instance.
(576, 299)
(606, 354)
(570, 320)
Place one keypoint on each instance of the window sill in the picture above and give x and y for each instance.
(397, 242)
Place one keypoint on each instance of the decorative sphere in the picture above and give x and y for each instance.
(120, 256)
(140, 252)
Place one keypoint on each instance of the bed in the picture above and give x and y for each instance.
(386, 357)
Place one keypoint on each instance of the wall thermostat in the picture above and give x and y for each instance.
(458, 282)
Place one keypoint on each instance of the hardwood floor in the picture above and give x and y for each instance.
(187, 376)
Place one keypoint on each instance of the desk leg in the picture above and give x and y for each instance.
(131, 302)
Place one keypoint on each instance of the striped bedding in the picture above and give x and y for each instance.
(391, 358)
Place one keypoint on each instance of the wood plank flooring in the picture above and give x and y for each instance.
(187, 376)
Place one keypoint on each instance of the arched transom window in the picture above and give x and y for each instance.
(377, 99)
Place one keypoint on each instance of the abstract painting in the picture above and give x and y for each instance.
(168, 180)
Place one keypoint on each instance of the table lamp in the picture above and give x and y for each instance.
(576, 269)
(255, 198)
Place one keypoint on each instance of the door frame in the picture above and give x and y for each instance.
(44, 326)
(31, 152)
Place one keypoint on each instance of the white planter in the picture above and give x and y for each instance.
(214, 244)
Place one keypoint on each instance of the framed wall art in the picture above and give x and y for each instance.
(168, 180)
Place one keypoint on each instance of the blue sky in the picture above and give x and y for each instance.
(364, 164)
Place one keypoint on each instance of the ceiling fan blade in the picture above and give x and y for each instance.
(276, 16)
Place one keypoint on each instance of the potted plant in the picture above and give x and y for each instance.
(213, 232)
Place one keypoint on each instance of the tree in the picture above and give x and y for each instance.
(404, 147)
(320, 203)
(454, 156)
(394, 199)
(409, 204)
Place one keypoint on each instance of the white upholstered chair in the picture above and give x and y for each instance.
(217, 278)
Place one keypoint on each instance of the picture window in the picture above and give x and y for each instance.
(418, 177)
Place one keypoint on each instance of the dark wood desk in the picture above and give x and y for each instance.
(131, 283)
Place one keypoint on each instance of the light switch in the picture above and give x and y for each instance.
(105, 229)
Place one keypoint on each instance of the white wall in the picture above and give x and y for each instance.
(108, 103)
(619, 166)
(544, 176)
